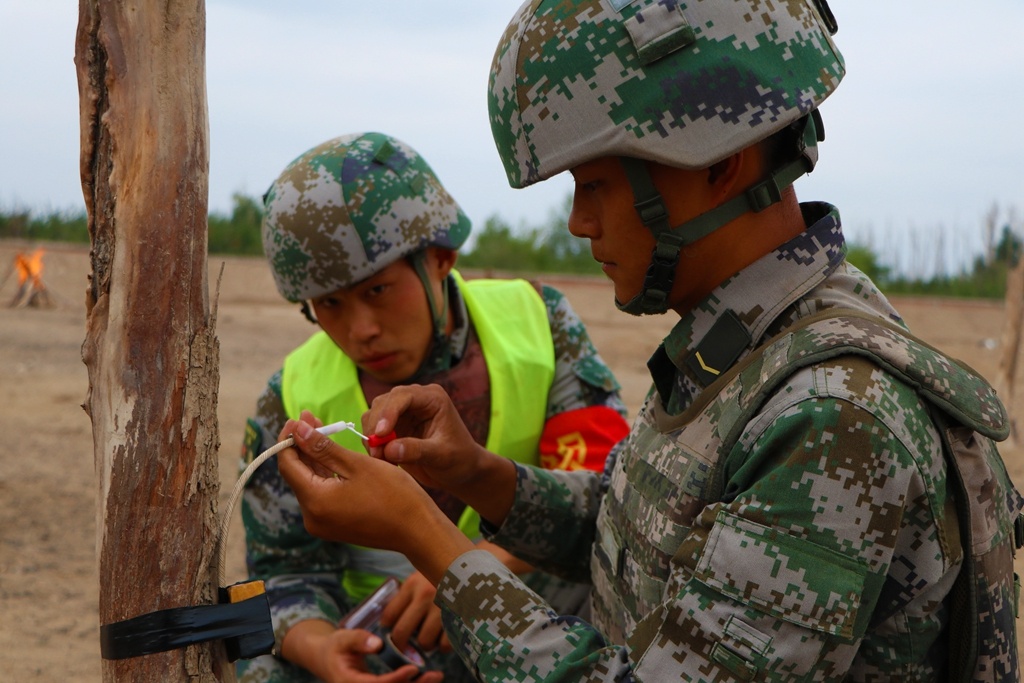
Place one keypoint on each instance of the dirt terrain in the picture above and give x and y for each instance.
(48, 582)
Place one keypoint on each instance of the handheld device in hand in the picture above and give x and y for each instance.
(366, 616)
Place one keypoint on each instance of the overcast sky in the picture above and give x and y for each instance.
(924, 134)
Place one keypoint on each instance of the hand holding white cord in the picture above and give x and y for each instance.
(225, 521)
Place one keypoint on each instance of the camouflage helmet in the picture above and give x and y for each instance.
(685, 84)
(350, 207)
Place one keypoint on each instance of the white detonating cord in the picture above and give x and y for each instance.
(225, 520)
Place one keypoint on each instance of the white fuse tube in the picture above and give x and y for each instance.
(225, 520)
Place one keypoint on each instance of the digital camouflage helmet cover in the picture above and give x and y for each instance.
(685, 84)
(350, 207)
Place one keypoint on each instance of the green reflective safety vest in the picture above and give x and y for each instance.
(511, 323)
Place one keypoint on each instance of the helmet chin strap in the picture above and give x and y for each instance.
(653, 297)
(439, 356)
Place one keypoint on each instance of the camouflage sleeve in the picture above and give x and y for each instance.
(844, 498)
(581, 378)
(301, 572)
(517, 637)
(551, 523)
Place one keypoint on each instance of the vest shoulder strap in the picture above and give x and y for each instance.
(949, 384)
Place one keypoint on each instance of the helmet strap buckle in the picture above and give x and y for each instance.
(439, 356)
(652, 213)
(647, 201)
(764, 194)
(661, 273)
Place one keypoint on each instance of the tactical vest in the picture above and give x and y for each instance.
(511, 322)
(689, 455)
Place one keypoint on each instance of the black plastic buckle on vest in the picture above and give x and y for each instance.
(1018, 532)
(241, 619)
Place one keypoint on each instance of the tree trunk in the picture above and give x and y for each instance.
(150, 346)
(1005, 383)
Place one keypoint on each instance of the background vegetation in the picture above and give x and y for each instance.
(548, 248)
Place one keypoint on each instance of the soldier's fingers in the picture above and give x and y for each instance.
(385, 411)
(396, 606)
(356, 640)
(408, 623)
(321, 449)
(307, 416)
(431, 630)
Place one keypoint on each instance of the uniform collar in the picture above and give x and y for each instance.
(732, 319)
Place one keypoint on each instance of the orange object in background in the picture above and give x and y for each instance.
(31, 290)
(30, 267)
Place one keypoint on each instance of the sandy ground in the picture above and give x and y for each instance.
(48, 582)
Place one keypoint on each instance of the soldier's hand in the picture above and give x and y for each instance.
(412, 612)
(341, 658)
(433, 443)
(434, 446)
(338, 655)
(348, 497)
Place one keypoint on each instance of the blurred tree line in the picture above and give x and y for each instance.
(549, 248)
(238, 233)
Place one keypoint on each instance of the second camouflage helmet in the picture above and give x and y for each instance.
(685, 84)
(350, 207)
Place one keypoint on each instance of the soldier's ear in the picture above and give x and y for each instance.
(727, 170)
(441, 261)
(736, 173)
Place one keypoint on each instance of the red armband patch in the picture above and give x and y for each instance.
(581, 439)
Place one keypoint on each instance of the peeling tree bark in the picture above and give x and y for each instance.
(150, 346)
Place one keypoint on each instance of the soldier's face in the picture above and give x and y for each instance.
(603, 212)
(383, 323)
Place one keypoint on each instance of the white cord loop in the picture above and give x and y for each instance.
(225, 520)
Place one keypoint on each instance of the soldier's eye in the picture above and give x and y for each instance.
(327, 302)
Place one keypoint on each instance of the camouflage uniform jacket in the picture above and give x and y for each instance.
(825, 551)
(303, 572)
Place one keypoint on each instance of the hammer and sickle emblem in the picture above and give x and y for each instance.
(570, 455)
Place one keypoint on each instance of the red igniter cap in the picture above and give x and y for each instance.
(373, 440)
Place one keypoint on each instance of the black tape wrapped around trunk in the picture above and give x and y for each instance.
(245, 625)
